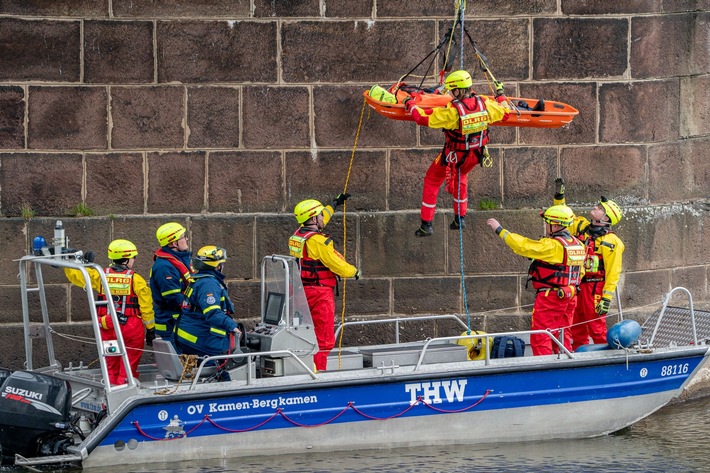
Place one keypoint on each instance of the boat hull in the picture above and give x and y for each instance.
(515, 400)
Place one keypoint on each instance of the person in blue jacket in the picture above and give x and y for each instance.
(206, 327)
(169, 277)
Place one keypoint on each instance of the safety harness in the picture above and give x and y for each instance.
(472, 133)
(594, 262)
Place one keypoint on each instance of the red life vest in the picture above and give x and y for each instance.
(546, 275)
(594, 263)
(472, 133)
(185, 272)
(313, 272)
(125, 300)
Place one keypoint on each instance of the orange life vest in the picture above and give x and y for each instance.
(313, 272)
(594, 263)
(546, 275)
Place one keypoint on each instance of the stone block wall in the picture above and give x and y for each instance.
(223, 115)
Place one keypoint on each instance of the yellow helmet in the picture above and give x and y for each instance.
(612, 210)
(307, 209)
(169, 233)
(121, 249)
(558, 215)
(209, 257)
(458, 80)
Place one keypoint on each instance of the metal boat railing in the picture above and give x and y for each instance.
(491, 336)
(250, 362)
(398, 320)
(666, 300)
(69, 260)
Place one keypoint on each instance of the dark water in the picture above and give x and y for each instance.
(674, 439)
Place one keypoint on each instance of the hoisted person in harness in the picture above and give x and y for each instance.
(465, 123)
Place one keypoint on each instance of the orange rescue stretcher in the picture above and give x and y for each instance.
(525, 112)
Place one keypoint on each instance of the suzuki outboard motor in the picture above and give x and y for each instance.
(35, 417)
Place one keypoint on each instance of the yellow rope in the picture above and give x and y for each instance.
(345, 226)
(189, 364)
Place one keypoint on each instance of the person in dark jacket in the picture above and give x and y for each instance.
(169, 277)
(206, 326)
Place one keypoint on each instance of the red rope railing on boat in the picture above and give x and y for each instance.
(280, 412)
(184, 434)
(454, 411)
(315, 425)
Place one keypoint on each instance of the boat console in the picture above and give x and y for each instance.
(286, 323)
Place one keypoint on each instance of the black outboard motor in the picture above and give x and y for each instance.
(35, 417)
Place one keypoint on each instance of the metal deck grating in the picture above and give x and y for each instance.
(676, 326)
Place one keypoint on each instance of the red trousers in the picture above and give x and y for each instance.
(321, 302)
(435, 177)
(587, 322)
(551, 312)
(134, 338)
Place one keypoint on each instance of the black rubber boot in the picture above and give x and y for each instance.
(425, 230)
(539, 106)
(458, 223)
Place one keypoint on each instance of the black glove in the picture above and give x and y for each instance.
(559, 188)
(89, 256)
(340, 199)
(603, 306)
(149, 336)
(122, 318)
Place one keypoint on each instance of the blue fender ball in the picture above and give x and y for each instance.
(623, 334)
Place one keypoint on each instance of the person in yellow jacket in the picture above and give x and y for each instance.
(465, 122)
(133, 303)
(603, 267)
(321, 266)
(555, 272)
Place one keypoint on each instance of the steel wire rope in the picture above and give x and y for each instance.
(461, 6)
(448, 40)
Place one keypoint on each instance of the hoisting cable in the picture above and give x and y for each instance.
(487, 73)
(447, 37)
(461, 6)
(449, 40)
(345, 226)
